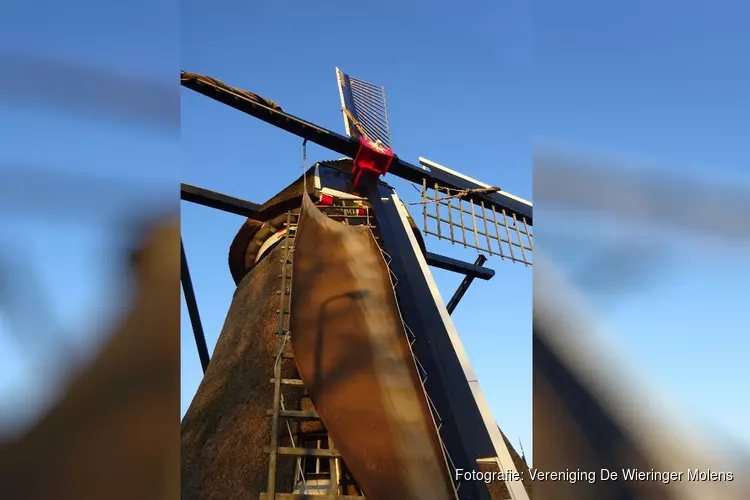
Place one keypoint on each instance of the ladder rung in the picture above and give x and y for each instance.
(297, 496)
(285, 355)
(289, 381)
(278, 311)
(302, 415)
(305, 452)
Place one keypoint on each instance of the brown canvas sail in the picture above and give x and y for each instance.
(353, 356)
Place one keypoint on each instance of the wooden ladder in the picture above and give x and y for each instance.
(277, 413)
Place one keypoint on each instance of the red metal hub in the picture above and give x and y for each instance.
(372, 161)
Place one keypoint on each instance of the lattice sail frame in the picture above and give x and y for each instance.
(364, 107)
(486, 230)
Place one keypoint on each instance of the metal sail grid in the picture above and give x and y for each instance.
(365, 110)
(454, 216)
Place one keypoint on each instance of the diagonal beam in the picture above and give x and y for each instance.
(192, 306)
(464, 286)
(261, 109)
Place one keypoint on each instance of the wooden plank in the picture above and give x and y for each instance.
(305, 452)
(297, 496)
(303, 415)
(289, 381)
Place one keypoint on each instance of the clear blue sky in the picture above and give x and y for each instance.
(460, 100)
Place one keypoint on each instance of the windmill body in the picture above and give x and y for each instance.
(270, 399)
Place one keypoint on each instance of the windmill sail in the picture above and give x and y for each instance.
(364, 108)
(457, 215)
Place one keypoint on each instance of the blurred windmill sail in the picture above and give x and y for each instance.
(657, 213)
(75, 195)
(589, 414)
(89, 91)
(569, 181)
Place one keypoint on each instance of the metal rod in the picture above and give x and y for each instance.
(192, 307)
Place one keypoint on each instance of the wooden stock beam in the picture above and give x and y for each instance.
(219, 201)
(238, 100)
(458, 266)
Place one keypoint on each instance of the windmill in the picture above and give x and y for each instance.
(305, 427)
